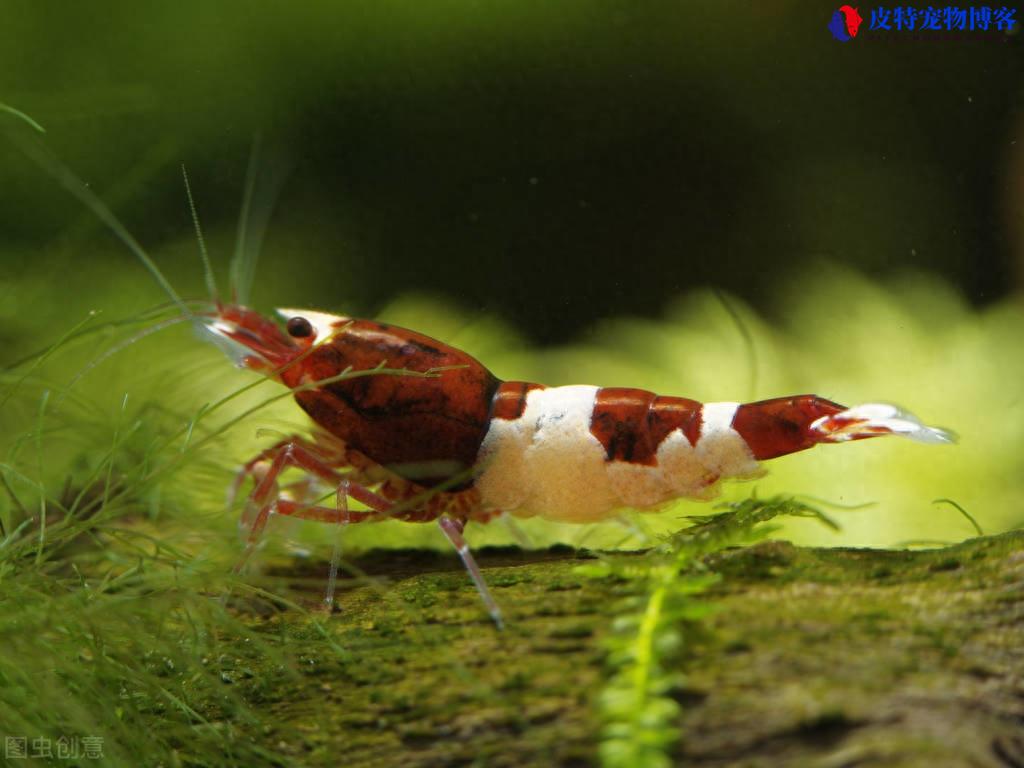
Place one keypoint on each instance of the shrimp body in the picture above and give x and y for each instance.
(571, 454)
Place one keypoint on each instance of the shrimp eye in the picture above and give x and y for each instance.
(299, 327)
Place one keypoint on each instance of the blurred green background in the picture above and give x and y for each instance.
(555, 187)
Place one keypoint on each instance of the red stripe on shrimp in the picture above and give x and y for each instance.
(782, 425)
(510, 399)
(632, 423)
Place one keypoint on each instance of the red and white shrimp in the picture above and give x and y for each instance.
(457, 445)
(485, 446)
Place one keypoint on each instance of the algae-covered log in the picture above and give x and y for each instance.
(813, 657)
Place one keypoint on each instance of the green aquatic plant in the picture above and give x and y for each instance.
(119, 617)
(111, 630)
(659, 621)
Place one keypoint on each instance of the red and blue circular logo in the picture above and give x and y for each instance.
(845, 23)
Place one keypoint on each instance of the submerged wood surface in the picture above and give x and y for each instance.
(814, 657)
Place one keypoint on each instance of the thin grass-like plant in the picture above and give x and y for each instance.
(111, 629)
(116, 636)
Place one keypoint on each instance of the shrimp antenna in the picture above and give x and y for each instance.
(243, 261)
(37, 152)
(211, 281)
(263, 179)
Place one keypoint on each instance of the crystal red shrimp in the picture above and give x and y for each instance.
(485, 446)
(457, 445)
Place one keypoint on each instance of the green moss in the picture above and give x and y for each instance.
(810, 656)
